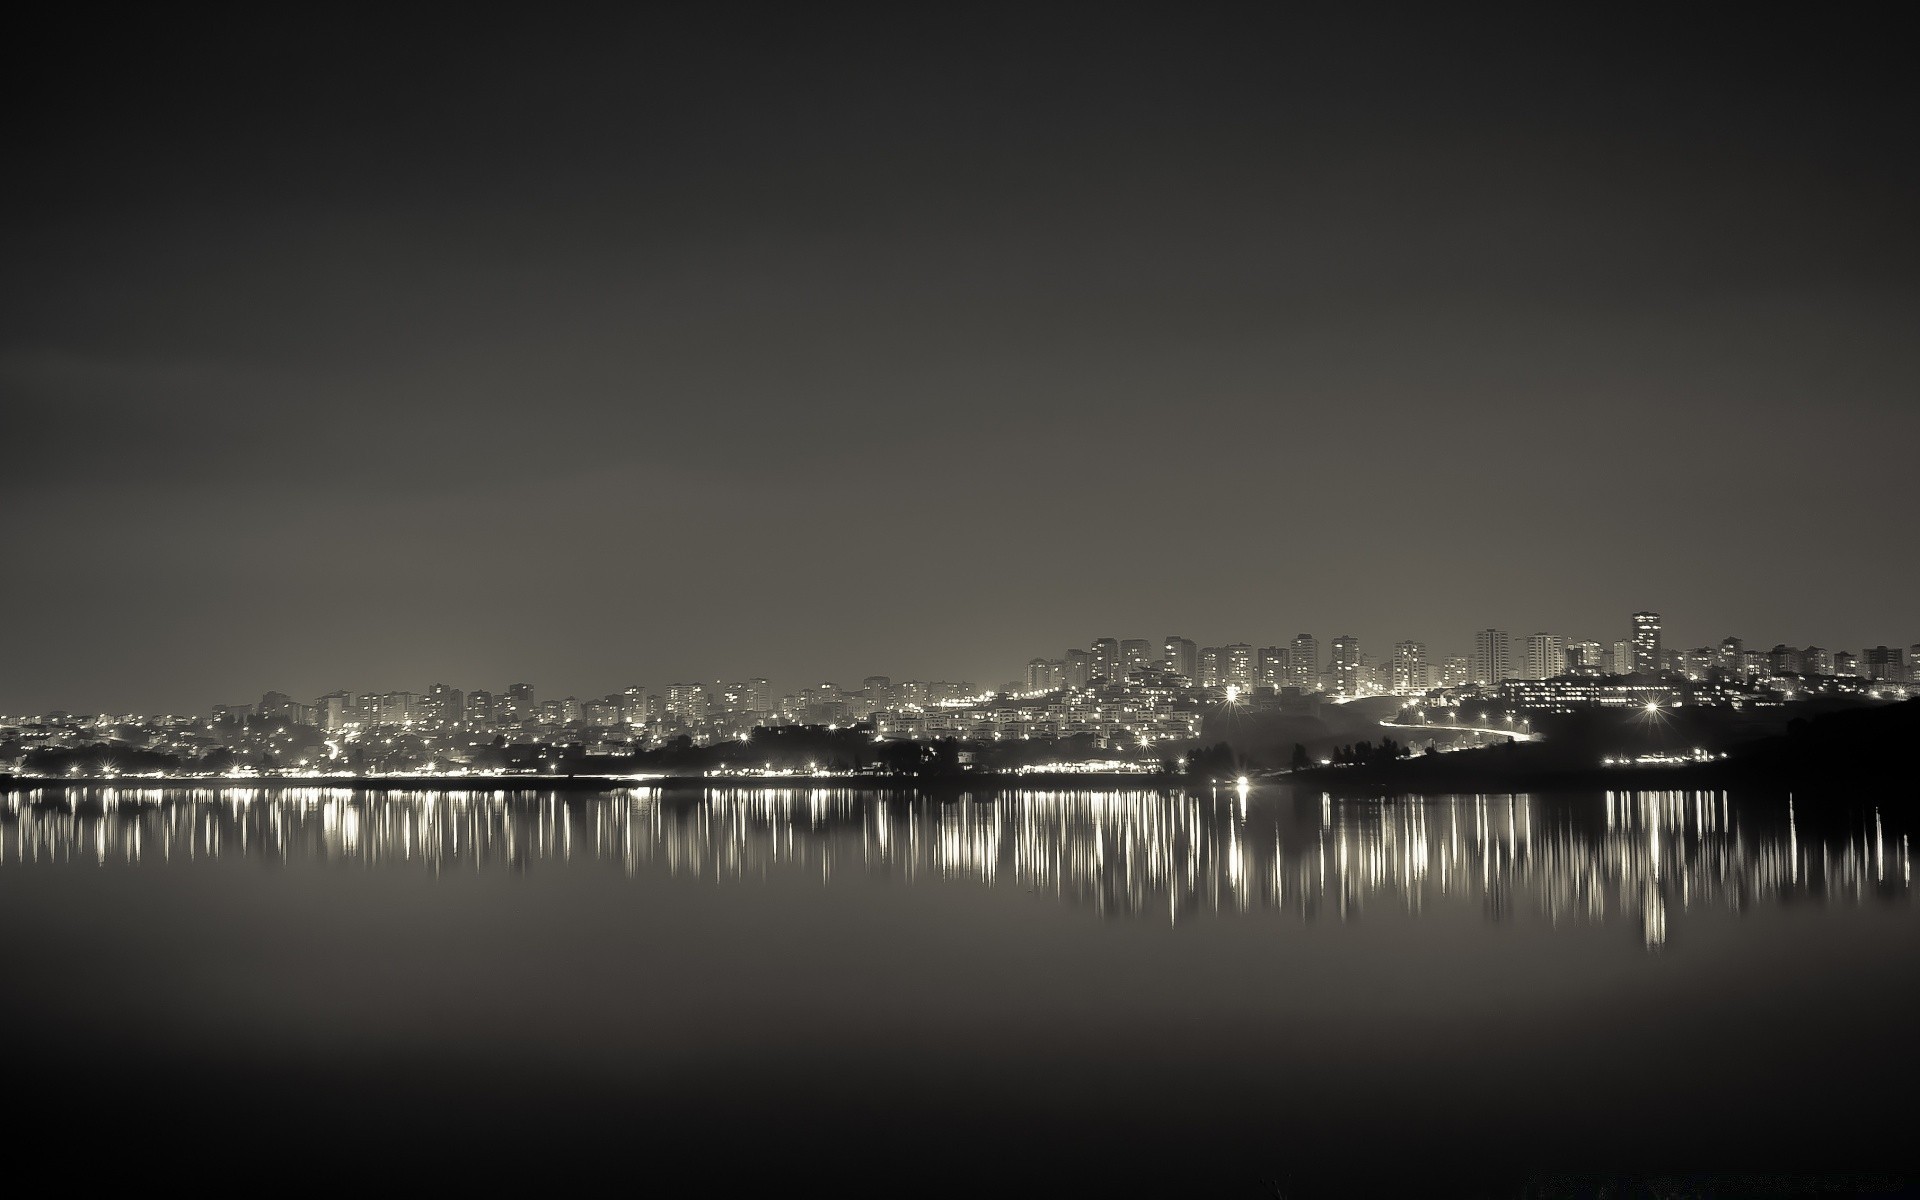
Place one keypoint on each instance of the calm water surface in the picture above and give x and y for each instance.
(893, 993)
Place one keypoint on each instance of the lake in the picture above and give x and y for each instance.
(1260, 993)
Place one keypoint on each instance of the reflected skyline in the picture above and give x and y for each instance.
(1641, 858)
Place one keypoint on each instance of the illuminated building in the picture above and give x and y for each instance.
(1732, 650)
(1815, 661)
(1106, 661)
(1183, 658)
(1490, 664)
(1648, 658)
(686, 702)
(480, 708)
(1408, 668)
(1573, 691)
(1304, 652)
(520, 705)
(335, 710)
(1754, 664)
(444, 703)
(1783, 660)
(1079, 668)
(1696, 663)
(1135, 654)
(600, 712)
(1237, 667)
(1274, 668)
(1546, 656)
(399, 708)
(1882, 662)
(1039, 675)
(1455, 671)
(1620, 658)
(633, 705)
(1586, 658)
(1212, 672)
(1845, 664)
(1346, 666)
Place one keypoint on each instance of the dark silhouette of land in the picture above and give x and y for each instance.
(1833, 752)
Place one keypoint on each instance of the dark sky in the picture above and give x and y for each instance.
(346, 351)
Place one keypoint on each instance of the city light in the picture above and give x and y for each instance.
(1113, 703)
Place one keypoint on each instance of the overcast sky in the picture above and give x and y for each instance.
(368, 353)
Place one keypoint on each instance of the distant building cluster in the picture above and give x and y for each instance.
(1123, 695)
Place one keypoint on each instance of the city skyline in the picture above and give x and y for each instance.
(665, 352)
(1341, 667)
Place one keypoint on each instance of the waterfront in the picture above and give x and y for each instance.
(1267, 985)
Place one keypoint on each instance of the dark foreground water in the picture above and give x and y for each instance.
(802, 989)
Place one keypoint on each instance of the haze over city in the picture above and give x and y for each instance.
(671, 354)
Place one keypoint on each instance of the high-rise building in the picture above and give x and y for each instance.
(1699, 663)
(1846, 664)
(335, 710)
(1816, 661)
(1079, 668)
(1783, 660)
(1183, 658)
(632, 702)
(1620, 658)
(1648, 658)
(1585, 658)
(1455, 671)
(1346, 666)
(1883, 662)
(399, 708)
(1212, 667)
(1408, 669)
(1039, 674)
(445, 703)
(1106, 661)
(480, 707)
(1238, 667)
(687, 702)
(1731, 649)
(520, 705)
(1546, 656)
(1490, 664)
(1273, 669)
(1135, 654)
(1304, 653)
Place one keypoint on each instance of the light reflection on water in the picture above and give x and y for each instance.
(1635, 857)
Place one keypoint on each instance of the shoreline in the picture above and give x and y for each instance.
(1340, 783)
(999, 781)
